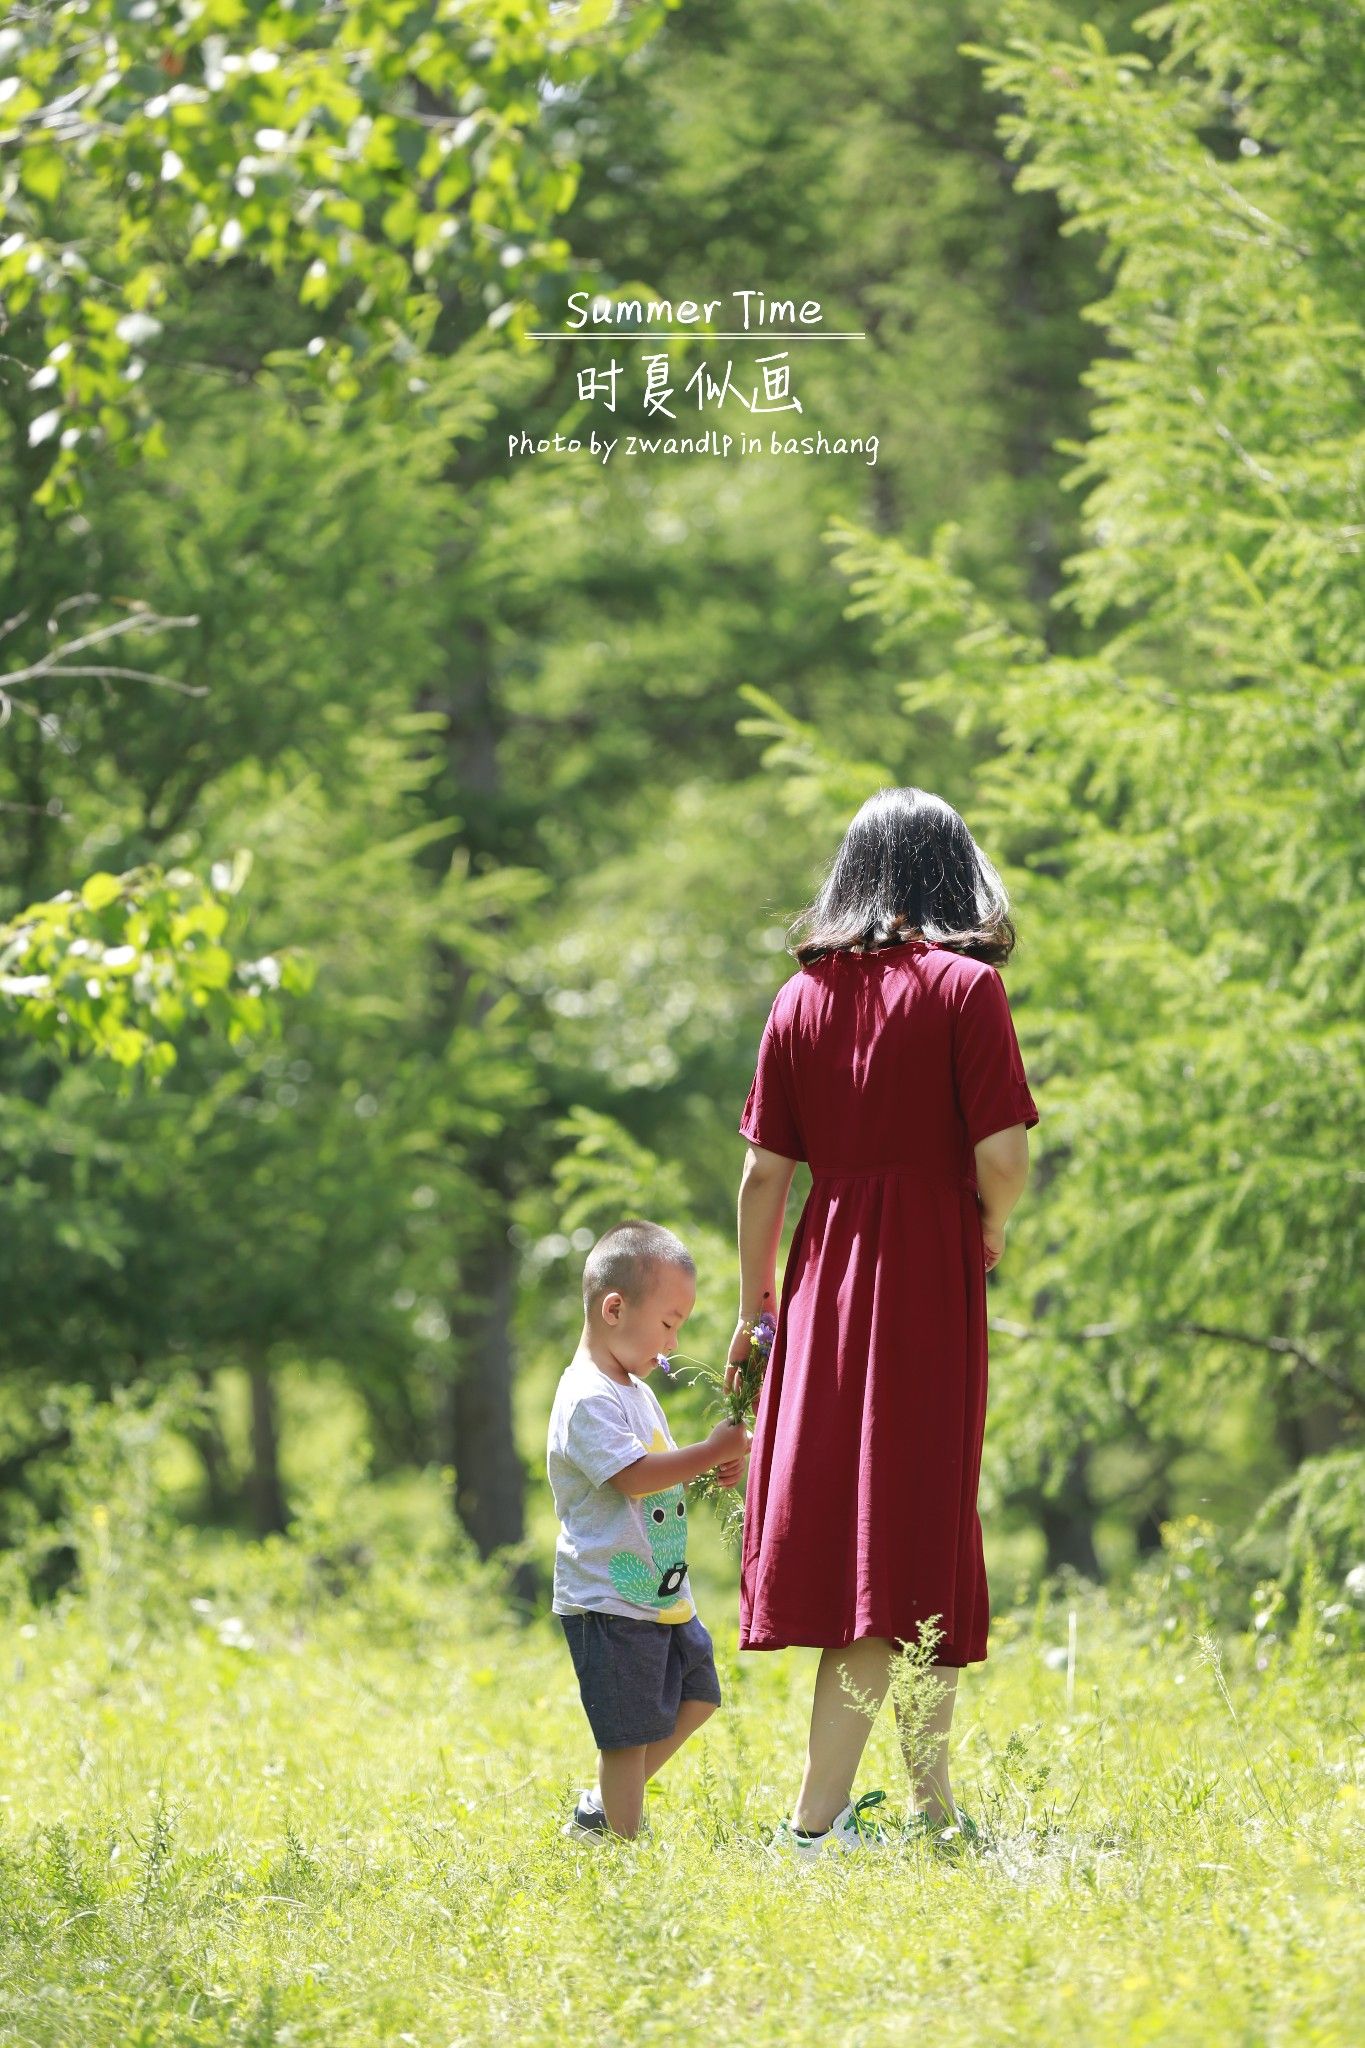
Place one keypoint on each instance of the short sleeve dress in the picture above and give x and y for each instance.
(882, 1070)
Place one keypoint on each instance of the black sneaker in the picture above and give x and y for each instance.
(589, 1821)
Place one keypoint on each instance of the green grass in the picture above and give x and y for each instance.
(323, 1806)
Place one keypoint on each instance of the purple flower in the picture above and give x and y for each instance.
(664, 1367)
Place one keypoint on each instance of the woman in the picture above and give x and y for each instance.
(889, 1063)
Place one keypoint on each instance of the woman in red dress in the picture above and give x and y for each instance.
(890, 1065)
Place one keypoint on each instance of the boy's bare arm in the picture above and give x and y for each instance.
(660, 1469)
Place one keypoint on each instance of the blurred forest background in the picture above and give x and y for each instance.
(398, 842)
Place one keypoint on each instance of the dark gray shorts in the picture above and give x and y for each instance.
(634, 1675)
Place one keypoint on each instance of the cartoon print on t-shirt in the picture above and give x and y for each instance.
(657, 1582)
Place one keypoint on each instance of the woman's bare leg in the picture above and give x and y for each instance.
(924, 1745)
(840, 1724)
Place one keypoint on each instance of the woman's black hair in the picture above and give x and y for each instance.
(908, 868)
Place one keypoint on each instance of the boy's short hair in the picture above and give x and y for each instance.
(627, 1257)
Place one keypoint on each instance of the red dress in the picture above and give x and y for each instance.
(882, 1070)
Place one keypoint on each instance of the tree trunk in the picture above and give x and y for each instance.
(489, 1480)
(13, 1467)
(1147, 1534)
(1068, 1523)
(211, 1449)
(1323, 1424)
(269, 1510)
(403, 1433)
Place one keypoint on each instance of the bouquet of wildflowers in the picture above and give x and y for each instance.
(742, 1402)
(738, 1406)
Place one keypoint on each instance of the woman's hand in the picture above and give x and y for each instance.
(739, 1351)
(992, 1241)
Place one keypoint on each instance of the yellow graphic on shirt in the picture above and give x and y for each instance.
(657, 1581)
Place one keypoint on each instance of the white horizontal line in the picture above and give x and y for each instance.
(680, 334)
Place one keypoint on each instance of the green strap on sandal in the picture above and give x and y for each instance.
(946, 1836)
(874, 1831)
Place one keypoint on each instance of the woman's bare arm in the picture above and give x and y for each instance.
(1001, 1176)
(763, 1189)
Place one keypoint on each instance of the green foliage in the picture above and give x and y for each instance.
(608, 1173)
(115, 970)
(372, 158)
(812, 775)
(536, 762)
(114, 1514)
(1318, 1517)
(1180, 800)
(687, 718)
(299, 1186)
(300, 1191)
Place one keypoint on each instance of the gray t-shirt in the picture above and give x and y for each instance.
(616, 1554)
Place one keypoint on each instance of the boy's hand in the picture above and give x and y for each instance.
(730, 1473)
(727, 1444)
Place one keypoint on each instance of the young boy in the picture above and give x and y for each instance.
(645, 1668)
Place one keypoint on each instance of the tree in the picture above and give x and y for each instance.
(378, 165)
(363, 156)
(643, 625)
(1179, 799)
(288, 1197)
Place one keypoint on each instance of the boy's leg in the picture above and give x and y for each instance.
(684, 1687)
(621, 1781)
(610, 1652)
(691, 1714)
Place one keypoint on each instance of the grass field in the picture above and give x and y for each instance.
(250, 1798)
